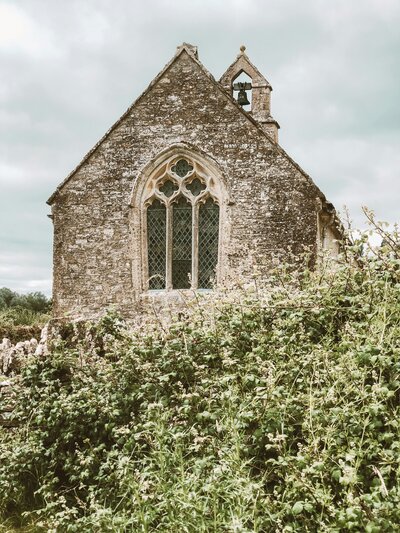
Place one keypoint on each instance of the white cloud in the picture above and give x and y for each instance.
(22, 272)
(20, 34)
(14, 25)
(12, 174)
(355, 172)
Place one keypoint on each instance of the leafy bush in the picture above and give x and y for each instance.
(271, 411)
(22, 316)
(34, 301)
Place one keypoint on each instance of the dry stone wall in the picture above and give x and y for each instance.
(12, 359)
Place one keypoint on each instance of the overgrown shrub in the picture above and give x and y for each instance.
(270, 411)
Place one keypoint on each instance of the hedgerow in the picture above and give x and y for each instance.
(269, 410)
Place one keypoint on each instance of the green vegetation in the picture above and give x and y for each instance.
(274, 410)
(22, 315)
(33, 301)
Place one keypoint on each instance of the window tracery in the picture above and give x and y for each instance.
(182, 216)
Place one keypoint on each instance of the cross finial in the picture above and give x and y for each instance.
(242, 49)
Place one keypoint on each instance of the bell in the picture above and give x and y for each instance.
(242, 98)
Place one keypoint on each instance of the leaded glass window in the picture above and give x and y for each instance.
(182, 228)
(181, 168)
(156, 244)
(208, 243)
(196, 187)
(181, 244)
(168, 188)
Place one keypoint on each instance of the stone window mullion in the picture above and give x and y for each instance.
(168, 266)
(195, 245)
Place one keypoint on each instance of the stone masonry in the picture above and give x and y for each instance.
(270, 208)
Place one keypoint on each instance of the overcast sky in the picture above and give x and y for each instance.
(68, 69)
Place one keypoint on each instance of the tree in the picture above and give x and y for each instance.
(34, 301)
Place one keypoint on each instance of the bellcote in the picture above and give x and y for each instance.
(260, 92)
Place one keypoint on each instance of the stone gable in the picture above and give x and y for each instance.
(270, 207)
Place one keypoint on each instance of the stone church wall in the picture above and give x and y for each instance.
(272, 207)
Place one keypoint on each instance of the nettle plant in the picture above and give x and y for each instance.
(274, 409)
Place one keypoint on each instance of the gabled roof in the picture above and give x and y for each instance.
(191, 51)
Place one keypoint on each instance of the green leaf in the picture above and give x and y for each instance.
(297, 508)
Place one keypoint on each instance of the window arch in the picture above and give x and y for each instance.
(181, 220)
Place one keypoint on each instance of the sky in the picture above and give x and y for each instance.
(69, 69)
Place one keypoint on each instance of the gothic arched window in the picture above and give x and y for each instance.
(182, 228)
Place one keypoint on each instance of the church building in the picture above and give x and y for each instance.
(188, 191)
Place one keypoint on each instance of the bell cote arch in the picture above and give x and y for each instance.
(260, 91)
